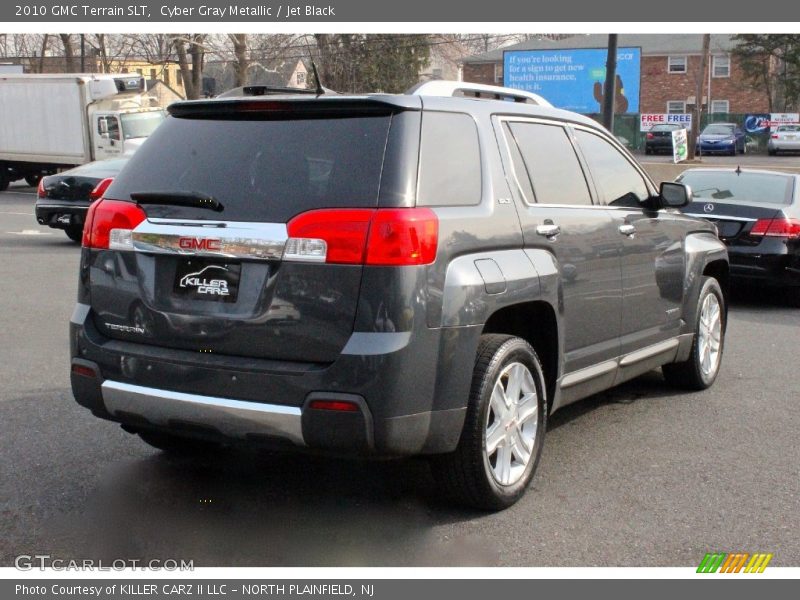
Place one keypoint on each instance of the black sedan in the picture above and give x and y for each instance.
(659, 138)
(757, 214)
(64, 198)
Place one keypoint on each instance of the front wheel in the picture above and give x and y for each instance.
(700, 370)
(504, 427)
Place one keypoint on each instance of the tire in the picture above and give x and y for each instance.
(482, 479)
(75, 233)
(648, 151)
(772, 152)
(173, 444)
(33, 180)
(4, 182)
(694, 373)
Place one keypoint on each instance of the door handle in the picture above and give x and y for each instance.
(627, 229)
(548, 230)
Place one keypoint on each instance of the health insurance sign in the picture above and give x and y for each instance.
(573, 79)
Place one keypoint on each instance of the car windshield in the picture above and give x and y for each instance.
(746, 188)
(665, 127)
(788, 128)
(718, 130)
(139, 125)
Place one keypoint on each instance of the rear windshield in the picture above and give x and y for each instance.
(789, 128)
(666, 127)
(261, 171)
(750, 188)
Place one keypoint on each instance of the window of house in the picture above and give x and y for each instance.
(436, 74)
(676, 64)
(166, 76)
(720, 106)
(550, 164)
(179, 77)
(721, 66)
(301, 77)
(676, 107)
(498, 73)
(153, 74)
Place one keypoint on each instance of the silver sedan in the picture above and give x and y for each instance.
(784, 138)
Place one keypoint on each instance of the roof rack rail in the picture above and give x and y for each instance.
(475, 90)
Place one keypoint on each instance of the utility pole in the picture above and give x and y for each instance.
(83, 53)
(698, 99)
(610, 87)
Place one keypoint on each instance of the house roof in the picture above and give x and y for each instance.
(651, 44)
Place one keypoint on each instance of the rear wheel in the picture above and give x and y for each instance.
(4, 180)
(772, 152)
(700, 370)
(173, 444)
(33, 179)
(504, 428)
(75, 233)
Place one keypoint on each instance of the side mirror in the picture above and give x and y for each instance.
(675, 195)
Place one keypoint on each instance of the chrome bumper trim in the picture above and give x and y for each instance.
(232, 418)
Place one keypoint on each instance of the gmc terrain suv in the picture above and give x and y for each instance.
(430, 273)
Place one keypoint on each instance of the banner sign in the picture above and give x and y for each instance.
(757, 123)
(680, 145)
(573, 79)
(648, 120)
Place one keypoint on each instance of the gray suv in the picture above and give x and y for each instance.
(430, 273)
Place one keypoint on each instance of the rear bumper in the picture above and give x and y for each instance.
(778, 269)
(61, 215)
(392, 378)
(783, 145)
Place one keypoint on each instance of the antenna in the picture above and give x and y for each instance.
(738, 170)
(320, 89)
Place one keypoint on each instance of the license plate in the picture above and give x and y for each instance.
(209, 280)
(790, 137)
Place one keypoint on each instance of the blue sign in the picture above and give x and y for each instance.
(757, 123)
(573, 79)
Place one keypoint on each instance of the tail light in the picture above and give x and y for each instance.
(650, 136)
(774, 136)
(109, 224)
(781, 227)
(100, 189)
(40, 191)
(385, 236)
(337, 405)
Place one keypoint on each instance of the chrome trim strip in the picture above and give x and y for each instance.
(234, 239)
(709, 216)
(233, 418)
(576, 377)
(648, 352)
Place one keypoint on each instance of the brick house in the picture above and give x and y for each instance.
(669, 69)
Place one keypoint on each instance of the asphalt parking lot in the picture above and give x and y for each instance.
(638, 476)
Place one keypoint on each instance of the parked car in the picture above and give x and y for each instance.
(757, 214)
(786, 138)
(659, 138)
(725, 138)
(63, 199)
(457, 269)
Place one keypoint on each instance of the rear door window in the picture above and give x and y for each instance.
(550, 164)
(260, 170)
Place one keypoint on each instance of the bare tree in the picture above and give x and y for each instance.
(239, 41)
(191, 46)
(70, 63)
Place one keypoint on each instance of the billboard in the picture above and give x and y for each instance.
(573, 79)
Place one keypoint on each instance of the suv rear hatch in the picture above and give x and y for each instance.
(205, 265)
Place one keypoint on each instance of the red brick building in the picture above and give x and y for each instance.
(669, 68)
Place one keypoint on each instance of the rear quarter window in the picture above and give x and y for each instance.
(450, 161)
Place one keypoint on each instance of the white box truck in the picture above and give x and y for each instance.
(52, 122)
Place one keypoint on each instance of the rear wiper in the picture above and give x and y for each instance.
(192, 199)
